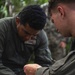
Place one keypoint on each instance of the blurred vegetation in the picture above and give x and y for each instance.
(3, 9)
(11, 7)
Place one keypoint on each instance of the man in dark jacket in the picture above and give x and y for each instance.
(63, 16)
(20, 37)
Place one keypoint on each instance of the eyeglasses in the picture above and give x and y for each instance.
(27, 33)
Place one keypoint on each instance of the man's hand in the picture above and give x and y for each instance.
(62, 44)
(30, 69)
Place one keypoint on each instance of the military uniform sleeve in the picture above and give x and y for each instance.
(42, 52)
(60, 67)
(52, 70)
(3, 69)
(43, 71)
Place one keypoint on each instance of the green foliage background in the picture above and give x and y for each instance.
(9, 7)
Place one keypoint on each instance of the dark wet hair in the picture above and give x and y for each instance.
(53, 3)
(34, 16)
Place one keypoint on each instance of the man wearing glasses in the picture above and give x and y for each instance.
(20, 37)
(63, 16)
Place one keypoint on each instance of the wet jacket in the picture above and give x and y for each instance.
(14, 53)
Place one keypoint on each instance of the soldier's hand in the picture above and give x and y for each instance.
(62, 44)
(30, 69)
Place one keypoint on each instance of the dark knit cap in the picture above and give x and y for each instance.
(34, 16)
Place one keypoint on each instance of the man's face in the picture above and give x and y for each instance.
(60, 22)
(56, 20)
(26, 32)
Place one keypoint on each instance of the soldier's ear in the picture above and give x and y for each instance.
(61, 11)
(17, 20)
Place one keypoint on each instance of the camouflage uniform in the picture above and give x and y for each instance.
(54, 37)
